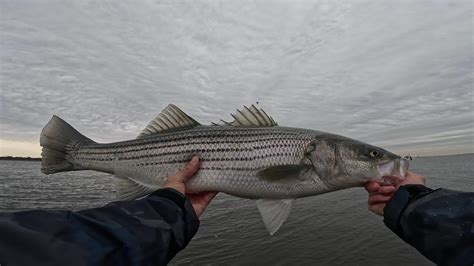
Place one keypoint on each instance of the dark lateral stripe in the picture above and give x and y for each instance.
(178, 136)
(217, 159)
(158, 141)
(230, 168)
(156, 155)
(213, 168)
(167, 145)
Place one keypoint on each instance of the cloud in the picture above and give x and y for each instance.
(397, 75)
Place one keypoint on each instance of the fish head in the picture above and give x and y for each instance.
(344, 162)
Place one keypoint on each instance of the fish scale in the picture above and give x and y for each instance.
(230, 157)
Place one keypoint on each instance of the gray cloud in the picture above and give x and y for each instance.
(396, 74)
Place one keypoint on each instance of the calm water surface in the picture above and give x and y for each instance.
(329, 229)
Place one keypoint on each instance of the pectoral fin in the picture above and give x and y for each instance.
(274, 213)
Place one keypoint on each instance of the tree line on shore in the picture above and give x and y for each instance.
(15, 158)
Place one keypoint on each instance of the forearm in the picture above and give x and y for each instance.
(140, 232)
(436, 222)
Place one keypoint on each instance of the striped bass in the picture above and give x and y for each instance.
(251, 157)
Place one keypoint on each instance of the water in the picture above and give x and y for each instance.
(329, 229)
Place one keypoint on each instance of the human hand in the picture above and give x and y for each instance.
(380, 194)
(178, 181)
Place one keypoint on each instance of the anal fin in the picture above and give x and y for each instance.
(127, 189)
(274, 212)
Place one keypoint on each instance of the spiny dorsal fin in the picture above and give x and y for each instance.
(170, 118)
(250, 117)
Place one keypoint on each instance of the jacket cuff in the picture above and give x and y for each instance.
(396, 206)
(173, 195)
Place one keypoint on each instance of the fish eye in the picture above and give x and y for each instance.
(374, 153)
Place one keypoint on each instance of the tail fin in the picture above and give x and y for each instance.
(58, 138)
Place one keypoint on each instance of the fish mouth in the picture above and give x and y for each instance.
(396, 167)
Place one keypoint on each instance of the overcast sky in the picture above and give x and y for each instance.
(398, 74)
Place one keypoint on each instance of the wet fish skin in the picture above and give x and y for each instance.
(230, 159)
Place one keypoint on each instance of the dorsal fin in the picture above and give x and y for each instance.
(170, 118)
(250, 117)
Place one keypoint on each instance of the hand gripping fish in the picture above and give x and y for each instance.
(251, 157)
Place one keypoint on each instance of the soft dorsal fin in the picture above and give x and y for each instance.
(170, 118)
(250, 117)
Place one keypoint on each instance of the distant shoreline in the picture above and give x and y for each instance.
(457, 154)
(14, 158)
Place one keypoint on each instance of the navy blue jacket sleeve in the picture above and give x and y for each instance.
(438, 223)
(148, 231)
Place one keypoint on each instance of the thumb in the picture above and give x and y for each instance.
(187, 172)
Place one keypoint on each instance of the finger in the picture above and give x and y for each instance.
(187, 172)
(374, 199)
(386, 189)
(372, 186)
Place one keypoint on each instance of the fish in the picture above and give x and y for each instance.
(250, 157)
